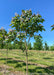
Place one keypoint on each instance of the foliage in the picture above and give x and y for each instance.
(27, 22)
(52, 47)
(38, 45)
(46, 47)
(52, 27)
(3, 34)
(29, 46)
(11, 36)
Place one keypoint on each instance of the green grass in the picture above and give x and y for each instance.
(39, 57)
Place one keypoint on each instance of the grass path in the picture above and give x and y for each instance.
(38, 61)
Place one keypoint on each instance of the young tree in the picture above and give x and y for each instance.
(21, 43)
(46, 47)
(52, 47)
(11, 35)
(3, 34)
(29, 46)
(27, 23)
(38, 45)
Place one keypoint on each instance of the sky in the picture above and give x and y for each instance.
(43, 7)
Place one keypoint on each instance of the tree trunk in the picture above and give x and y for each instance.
(26, 63)
(1, 52)
(26, 55)
(6, 58)
(7, 54)
(26, 60)
(1, 49)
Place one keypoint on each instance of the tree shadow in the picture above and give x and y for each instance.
(51, 67)
(5, 59)
(47, 58)
(2, 59)
(24, 64)
(17, 57)
(32, 60)
(12, 61)
(18, 65)
(37, 69)
(40, 70)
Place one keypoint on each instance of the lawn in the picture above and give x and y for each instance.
(38, 61)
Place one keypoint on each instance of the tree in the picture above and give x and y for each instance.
(3, 34)
(29, 46)
(38, 45)
(52, 47)
(46, 47)
(27, 23)
(15, 44)
(52, 27)
(10, 46)
(11, 35)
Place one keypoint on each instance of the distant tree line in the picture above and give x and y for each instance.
(37, 45)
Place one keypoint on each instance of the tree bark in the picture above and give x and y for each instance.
(26, 58)
(26, 55)
(7, 54)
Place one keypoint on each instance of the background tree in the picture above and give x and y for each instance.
(52, 27)
(52, 47)
(21, 43)
(11, 35)
(29, 24)
(10, 46)
(3, 34)
(38, 45)
(29, 46)
(46, 47)
(15, 44)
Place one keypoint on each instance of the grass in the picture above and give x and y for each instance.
(45, 58)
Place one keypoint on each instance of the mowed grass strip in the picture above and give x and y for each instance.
(39, 57)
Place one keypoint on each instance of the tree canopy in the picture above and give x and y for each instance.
(27, 22)
(3, 34)
(38, 45)
(52, 27)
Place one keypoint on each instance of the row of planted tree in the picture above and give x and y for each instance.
(25, 26)
(37, 45)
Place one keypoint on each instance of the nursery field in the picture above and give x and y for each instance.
(39, 62)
